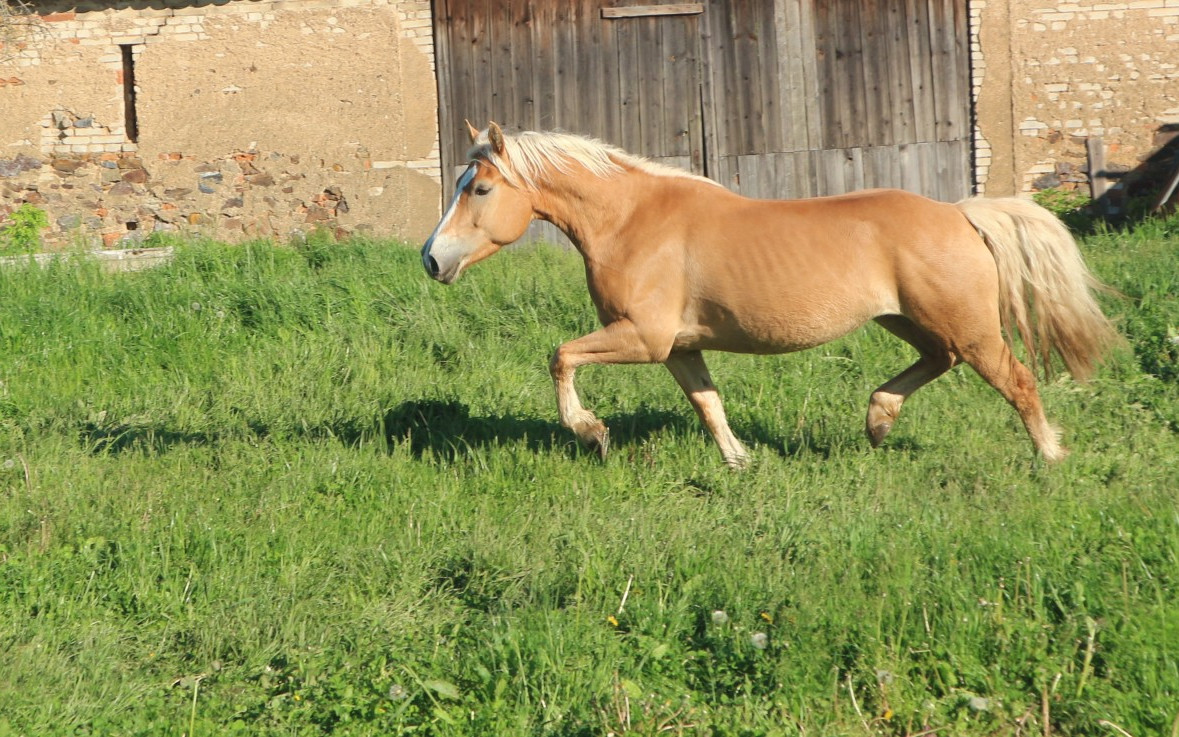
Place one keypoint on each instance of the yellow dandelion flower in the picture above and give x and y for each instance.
(611, 619)
(766, 616)
(887, 714)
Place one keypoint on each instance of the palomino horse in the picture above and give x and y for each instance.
(676, 265)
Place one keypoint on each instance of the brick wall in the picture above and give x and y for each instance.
(1073, 70)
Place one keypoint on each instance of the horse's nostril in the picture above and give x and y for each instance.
(432, 266)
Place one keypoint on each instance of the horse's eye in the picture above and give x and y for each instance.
(482, 189)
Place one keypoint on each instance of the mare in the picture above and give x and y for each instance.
(677, 265)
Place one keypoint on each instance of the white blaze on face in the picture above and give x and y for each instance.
(463, 181)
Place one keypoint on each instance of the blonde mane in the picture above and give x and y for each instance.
(532, 154)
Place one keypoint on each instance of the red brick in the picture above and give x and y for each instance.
(58, 17)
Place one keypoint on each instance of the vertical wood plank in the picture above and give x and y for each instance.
(543, 64)
(727, 173)
(444, 66)
(477, 86)
(805, 175)
(794, 86)
(1095, 153)
(681, 104)
(853, 169)
(793, 124)
(710, 118)
(921, 70)
(827, 71)
(763, 34)
(876, 109)
(504, 102)
(522, 63)
(784, 176)
(587, 88)
(630, 123)
(602, 84)
(856, 125)
(649, 68)
(915, 171)
(942, 62)
(808, 51)
(750, 91)
(837, 36)
(832, 172)
(955, 178)
(901, 95)
(566, 92)
(730, 93)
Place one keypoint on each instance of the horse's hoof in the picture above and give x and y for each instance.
(599, 441)
(1054, 455)
(594, 435)
(737, 463)
(877, 433)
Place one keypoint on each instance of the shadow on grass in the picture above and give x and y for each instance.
(103, 438)
(447, 429)
(443, 429)
(821, 442)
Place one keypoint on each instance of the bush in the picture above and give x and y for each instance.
(1070, 205)
(23, 233)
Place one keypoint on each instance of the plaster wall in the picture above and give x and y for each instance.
(252, 119)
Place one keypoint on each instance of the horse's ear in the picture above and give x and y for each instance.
(496, 136)
(472, 131)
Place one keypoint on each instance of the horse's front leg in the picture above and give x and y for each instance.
(618, 342)
(691, 373)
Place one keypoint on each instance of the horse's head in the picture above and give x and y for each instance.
(486, 213)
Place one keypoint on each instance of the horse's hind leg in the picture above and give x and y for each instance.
(885, 403)
(994, 361)
(691, 373)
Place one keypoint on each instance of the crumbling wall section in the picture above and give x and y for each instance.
(239, 120)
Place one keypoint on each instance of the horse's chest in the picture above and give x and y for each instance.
(611, 294)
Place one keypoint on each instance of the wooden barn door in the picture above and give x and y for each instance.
(814, 97)
(624, 72)
(772, 98)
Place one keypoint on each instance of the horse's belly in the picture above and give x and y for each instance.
(777, 330)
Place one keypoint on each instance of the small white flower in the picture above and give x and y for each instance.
(883, 676)
(719, 617)
(196, 306)
(397, 692)
(978, 703)
(759, 640)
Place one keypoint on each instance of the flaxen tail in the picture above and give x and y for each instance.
(1045, 289)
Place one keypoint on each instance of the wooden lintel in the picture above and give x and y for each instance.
(643, 11)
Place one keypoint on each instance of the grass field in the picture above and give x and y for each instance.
(306, 491)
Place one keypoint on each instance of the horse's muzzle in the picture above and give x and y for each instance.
(436, 271)
(431, 265)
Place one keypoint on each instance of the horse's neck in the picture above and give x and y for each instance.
(588, 209)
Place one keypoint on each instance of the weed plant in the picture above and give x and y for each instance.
(306, 491)
(22, 233)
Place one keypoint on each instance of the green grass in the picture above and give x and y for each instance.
(305, 491)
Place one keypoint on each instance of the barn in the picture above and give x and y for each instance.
(266, 118)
